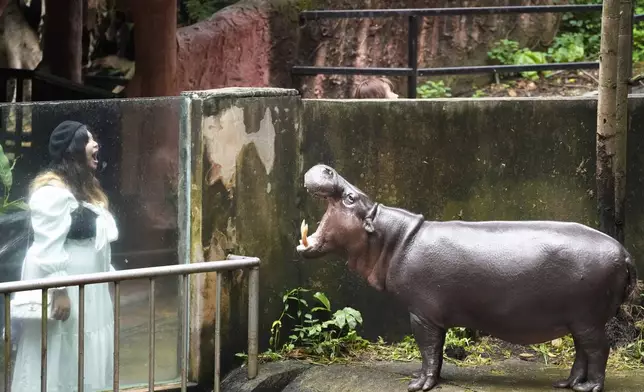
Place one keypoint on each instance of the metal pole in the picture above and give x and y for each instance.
(7, 342)
(43, 342)
(218, 333)
(184, 333)
(117, 340)
(412, 56)
(253, 315)
(81, 338)
(152, 337)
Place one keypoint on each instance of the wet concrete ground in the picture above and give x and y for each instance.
(134, 329)
(507, 376)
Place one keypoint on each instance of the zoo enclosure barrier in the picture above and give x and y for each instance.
(414, 15)
(184, 270)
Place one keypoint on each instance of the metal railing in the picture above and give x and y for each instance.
(414, 16)
(185, 270)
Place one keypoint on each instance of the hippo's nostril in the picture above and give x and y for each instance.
(327, 172)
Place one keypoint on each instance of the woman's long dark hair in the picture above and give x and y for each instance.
(74, 171)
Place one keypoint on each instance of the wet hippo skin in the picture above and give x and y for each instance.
(525, 282)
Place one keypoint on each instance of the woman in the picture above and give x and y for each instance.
(72, 231)
(375, 88)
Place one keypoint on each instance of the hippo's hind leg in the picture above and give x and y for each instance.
(430, 339)
(579, 370)
(592, 340)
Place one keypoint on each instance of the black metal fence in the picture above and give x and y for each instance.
(414, 15)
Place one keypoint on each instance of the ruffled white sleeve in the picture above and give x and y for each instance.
(51, 220)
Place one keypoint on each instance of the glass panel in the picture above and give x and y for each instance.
(139, 170)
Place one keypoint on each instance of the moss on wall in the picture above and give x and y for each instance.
(450, 159)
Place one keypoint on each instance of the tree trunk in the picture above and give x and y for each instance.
(624, 70)
(155, 40)
(63, 39)
(606, 116)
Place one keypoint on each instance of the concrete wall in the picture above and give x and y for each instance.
(245, 148)
(473, 159)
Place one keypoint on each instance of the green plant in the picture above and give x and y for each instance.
(567, 48)
(503, 51)
(479, 94)
(198, 10)
(311, 335)
(431, 89)
(6, 181)
(507, 52)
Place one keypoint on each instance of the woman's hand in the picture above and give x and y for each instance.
(61, 305)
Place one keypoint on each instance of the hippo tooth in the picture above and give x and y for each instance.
(304, 229)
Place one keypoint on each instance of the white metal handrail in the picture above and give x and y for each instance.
(184, 270)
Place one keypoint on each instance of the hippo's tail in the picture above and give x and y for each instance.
(631, 291)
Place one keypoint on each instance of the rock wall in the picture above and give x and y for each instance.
(382, 42)
(250, 44)
(254, 43)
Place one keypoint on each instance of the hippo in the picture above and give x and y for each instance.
(524, 282)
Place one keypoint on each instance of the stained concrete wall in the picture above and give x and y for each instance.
(471, 159)
(246, 160)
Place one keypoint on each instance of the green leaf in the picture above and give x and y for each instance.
(322, 298)
(340, 319)
(5, 171)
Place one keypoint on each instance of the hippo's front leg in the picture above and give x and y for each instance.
(430, 340)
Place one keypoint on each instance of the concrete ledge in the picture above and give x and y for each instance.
(241, 92)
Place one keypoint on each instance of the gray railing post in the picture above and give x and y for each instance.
(253, 321)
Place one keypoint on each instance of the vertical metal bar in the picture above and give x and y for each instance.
(81, 338)
(152, 337)
(43, 342)
(117, 318)
(218, 332)
(253, 315)
(184, 333)
(20, 89)
(7, 342)
(412, 56)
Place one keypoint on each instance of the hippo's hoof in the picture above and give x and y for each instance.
(567, 383)
(589, 386)
(424, 383)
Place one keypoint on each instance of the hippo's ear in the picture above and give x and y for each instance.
(368, 219)
(368, 225)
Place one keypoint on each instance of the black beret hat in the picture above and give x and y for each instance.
(61, 138)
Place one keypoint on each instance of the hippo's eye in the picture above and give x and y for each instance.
(349, 199)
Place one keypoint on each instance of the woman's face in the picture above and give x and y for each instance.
(91, 152)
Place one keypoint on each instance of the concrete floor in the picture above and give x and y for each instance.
(506, 376)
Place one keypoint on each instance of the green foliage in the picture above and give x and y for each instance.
(567, 48)
(318, 332)
(479, 94)
(507, 52)
(431, 89)
(503, 51)
(578, 40)
(588, 26)
(198, 10)
(6, 182)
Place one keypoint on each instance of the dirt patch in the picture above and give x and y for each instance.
(559, 83)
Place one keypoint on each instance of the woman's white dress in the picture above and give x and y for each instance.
(53, 255)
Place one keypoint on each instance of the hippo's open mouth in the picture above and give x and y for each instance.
(312, 245)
